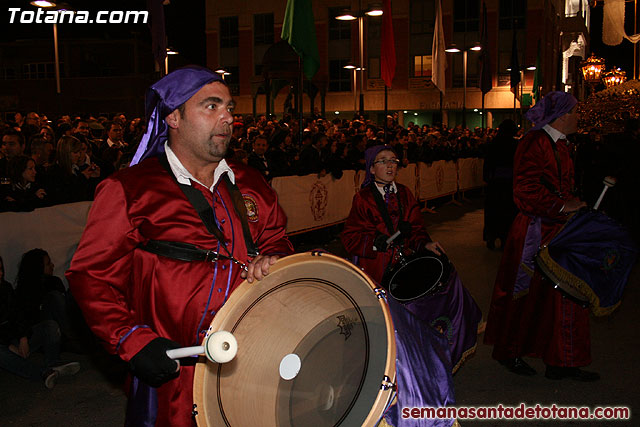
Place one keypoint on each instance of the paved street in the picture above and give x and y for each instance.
(94, 397)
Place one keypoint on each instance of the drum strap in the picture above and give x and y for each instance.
(205, 211)
(382, 207)
(545, 182)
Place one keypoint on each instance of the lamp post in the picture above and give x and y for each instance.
(166, 59)
(352, 67)
(454, 49)
(50, 5)
(375, 10)
(592, 69)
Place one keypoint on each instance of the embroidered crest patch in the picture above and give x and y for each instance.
(252, 208)
(318, 200)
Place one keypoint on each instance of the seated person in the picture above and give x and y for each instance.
(19, 339)
(25, 195)
(370, 223)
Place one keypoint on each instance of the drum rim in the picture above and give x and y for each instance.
(436, 285)
(384, 395)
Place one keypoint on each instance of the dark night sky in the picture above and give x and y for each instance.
(185, 23)
(615, 56)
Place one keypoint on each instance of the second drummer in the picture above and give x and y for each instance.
(380, 209)
(528, 317)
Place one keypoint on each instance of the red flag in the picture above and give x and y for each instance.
(387, 45)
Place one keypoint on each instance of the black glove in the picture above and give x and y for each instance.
(380, 243)
(152, 365)
(405, 229)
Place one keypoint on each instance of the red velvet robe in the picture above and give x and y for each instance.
(365, 221)
(542, 323)
(120, 286)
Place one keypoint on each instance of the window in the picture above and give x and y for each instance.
(422, 17)
(339, 77)
(263, 29)
(229, 32)
(38, 71)
(466, 15)
(512, 13)
(422, 66)
(338, 30)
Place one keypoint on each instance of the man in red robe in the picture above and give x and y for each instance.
(528, 317)
(140, 303)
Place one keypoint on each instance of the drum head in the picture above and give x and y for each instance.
(314, 343)
(417, 275)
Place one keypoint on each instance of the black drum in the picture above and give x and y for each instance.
(420, 274)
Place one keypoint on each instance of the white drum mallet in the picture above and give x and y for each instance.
(219, 347)
(608, 182)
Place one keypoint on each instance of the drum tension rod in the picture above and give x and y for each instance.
(381, 293)
(194, 412)
(387, 384)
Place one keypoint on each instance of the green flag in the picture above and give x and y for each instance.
(299, 30)
(537, 77)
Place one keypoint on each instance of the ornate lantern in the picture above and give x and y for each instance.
(614, 77)
(592, 70)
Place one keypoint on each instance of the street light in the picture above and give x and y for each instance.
(166, 59)
(455, 49)
(223, 72)
(50, 5)
(347, 15)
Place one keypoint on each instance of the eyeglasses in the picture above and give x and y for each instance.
(387, 162)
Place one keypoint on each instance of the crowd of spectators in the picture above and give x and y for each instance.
(45, 162)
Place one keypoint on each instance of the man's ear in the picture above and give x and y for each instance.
(173, 119)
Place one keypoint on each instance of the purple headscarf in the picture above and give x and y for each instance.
(166, 95)
(369, 157)
(553, 105)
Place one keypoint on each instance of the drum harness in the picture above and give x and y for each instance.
(188, 252)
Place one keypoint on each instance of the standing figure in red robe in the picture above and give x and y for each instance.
(143, 273)
(528, 317)
(452, 310)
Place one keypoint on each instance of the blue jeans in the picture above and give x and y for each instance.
(45, 336)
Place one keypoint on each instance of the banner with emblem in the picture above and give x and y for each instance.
(312, 202)
(437, 179)
(470, 173)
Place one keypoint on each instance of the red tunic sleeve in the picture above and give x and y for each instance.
(101, 271)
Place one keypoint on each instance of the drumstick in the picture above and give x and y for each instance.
(608, 182)
(393, 237)
(220, 347)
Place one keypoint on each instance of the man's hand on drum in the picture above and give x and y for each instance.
(573, 205)
(259, 267)
(435, 247)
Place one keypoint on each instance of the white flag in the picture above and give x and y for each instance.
(439, 59)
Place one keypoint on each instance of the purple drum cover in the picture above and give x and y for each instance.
(594, 255)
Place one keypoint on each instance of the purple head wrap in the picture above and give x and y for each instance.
(553, 105)
(369, 157)
(166, 95)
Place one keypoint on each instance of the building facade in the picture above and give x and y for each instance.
(239, 34)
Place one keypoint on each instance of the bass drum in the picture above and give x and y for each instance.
(316, 347)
